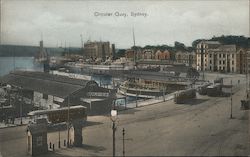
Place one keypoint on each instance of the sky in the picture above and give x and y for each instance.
(62, 22)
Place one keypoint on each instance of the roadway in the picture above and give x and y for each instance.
(200, 127)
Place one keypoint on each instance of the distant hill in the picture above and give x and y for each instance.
(239, 41)
(31, 51)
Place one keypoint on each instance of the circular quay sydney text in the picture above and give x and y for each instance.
(120, 14)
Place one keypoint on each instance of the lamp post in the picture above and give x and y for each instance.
(113, 119)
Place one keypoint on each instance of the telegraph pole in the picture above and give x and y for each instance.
(113, 128)
(135, 51)
(136, 99)
(59, 136)
(123, 142)
(231, 115)
(163, 93)
(21, 107)
(68, 124)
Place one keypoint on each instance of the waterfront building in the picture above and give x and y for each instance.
(214, 56)
(148, 54)
(113, 52)
(97, 49)
(187, 58)
(52, 91)
(241, 61)
(248, 61)
(130, 54)
(41, 55)
(162, 55)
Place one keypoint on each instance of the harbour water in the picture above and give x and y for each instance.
(8, 64)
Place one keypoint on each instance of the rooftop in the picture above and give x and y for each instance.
(60, 86)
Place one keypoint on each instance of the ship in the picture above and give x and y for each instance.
(152, 84)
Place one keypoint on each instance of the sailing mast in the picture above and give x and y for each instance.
(134, 46)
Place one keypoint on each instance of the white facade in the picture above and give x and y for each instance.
(216, 57)
(46, 101)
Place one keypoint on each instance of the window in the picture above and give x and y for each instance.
(220, 62)
(210, 68)
(220, 55)
(232, 69)
(45, 96)
(232, 55)
(223, 62)
(210, 55)
(232, 62)
(39, 141)
(224, 55)
(210, 62)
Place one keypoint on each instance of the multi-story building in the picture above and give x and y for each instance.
(130, 54)
(188, 58)
(148, 54)
(97, 49)
(165, 55)
(202, 54)
(248, 61)
(213, 56)
(241, 61)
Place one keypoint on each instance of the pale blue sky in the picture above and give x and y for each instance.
(23, 21)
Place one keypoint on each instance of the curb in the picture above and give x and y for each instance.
(13, 126)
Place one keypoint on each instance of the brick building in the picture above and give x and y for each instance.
(188, 58)
(97, 49)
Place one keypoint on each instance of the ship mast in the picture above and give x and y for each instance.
(134, 46)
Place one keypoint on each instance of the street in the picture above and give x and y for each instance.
(200, 127)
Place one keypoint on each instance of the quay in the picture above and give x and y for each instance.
(162, 128)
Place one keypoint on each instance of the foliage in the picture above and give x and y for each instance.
(195, 42)
(239, 41)
(179, 46)
(120, 53)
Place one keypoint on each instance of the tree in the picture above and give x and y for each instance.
(179, 46)
(121, 53)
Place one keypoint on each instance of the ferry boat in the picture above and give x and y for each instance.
(150, 87)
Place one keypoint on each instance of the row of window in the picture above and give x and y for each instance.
(220, 55)
(210, 61)
(224, 62)
(220, 68)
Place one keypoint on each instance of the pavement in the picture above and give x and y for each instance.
(17, 122)
(201, 127)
